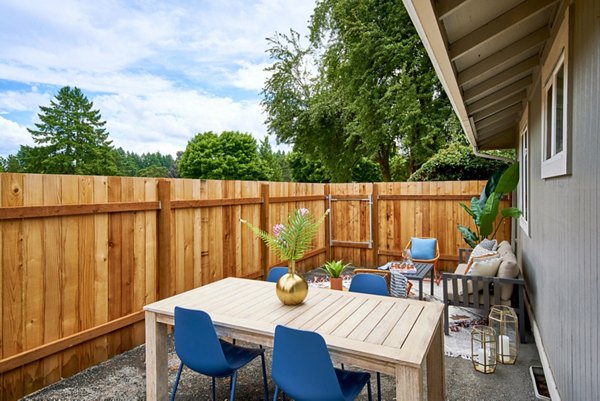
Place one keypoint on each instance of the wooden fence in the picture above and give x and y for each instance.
(81, 255)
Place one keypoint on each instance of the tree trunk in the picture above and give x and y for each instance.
(383, 158)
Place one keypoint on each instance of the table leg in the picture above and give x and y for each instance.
(156, 358)
(435, 366)
(432, 279)
(409, 383)
(420, 289)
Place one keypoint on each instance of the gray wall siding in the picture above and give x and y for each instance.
(561, 258)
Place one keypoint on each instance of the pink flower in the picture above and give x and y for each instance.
(277, 229)
(304, 211)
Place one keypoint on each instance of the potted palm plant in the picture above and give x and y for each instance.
(484, 209)
(291, 240)
(334, 269)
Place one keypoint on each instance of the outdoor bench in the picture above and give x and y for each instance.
(485, 298)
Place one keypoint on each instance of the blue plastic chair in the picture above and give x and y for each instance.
(369, 284)
(375, 285)
(302, 369)
(199, 348)
(275, 273)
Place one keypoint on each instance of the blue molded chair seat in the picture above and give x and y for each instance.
(302, 369)
(275, 273)
(352, 383)
(199, 348)
(369, 284)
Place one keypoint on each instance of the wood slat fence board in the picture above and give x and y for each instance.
(81, 255)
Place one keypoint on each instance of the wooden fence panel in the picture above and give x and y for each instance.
(82, 255)
(66, 275)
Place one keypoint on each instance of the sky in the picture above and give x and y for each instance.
(159, 71)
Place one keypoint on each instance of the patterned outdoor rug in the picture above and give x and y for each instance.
(458, 343)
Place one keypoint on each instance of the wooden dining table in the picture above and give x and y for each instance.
(397, 337)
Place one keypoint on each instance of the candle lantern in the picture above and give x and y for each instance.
(483, 349)
(504, 321)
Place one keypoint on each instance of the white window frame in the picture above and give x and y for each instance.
(558, 57)
(523, 198)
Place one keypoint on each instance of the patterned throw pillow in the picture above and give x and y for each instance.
(480, 251)
(489, 244)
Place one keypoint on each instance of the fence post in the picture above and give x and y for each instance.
(375, 223)
(264, 225)
(327, 233)
(165, 227)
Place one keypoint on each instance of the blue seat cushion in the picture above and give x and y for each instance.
(423, 248)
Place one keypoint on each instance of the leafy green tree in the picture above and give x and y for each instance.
(375, 93)
(457, 162)
(134, 165)
(273, 160)
(71, 138)
(230, 156)
(304, 169)
(153, 171)
(366, 170)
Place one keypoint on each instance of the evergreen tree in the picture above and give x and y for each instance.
(71, 138)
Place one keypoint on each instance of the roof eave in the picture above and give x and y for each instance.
(424, 18)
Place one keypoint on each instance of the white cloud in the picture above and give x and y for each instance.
(250, 76)
(12, 136)
(159, 72)
(22, 101)
(166, 121)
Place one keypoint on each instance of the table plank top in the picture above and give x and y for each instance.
(398, 331)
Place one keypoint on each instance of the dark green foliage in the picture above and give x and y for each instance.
(145, 165)
(366, 170)
(230, 156)
(456, 162)
(153, 171)
(71, 138)
(399, 168)
(304, 169)
(375, 93)
(276, 161)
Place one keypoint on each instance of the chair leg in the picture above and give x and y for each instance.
(264, 371)
(214, 389)
(233, 381)
(369, 390)
(177, 381)
(378, 387)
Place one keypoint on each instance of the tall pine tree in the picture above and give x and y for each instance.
(71, 138)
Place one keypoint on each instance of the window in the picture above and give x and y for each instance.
(555, 117)
(523, 194)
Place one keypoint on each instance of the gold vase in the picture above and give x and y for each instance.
(291, 288)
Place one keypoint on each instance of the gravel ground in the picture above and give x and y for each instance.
(123, 377)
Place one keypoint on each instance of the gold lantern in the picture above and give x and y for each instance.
(483, 349)
(504, 321)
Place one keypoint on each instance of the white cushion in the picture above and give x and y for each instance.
(488, 267)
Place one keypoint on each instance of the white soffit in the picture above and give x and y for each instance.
(485, 53)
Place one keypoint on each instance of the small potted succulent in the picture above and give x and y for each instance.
(334, 269)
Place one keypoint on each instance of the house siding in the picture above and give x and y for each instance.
(560, 257)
